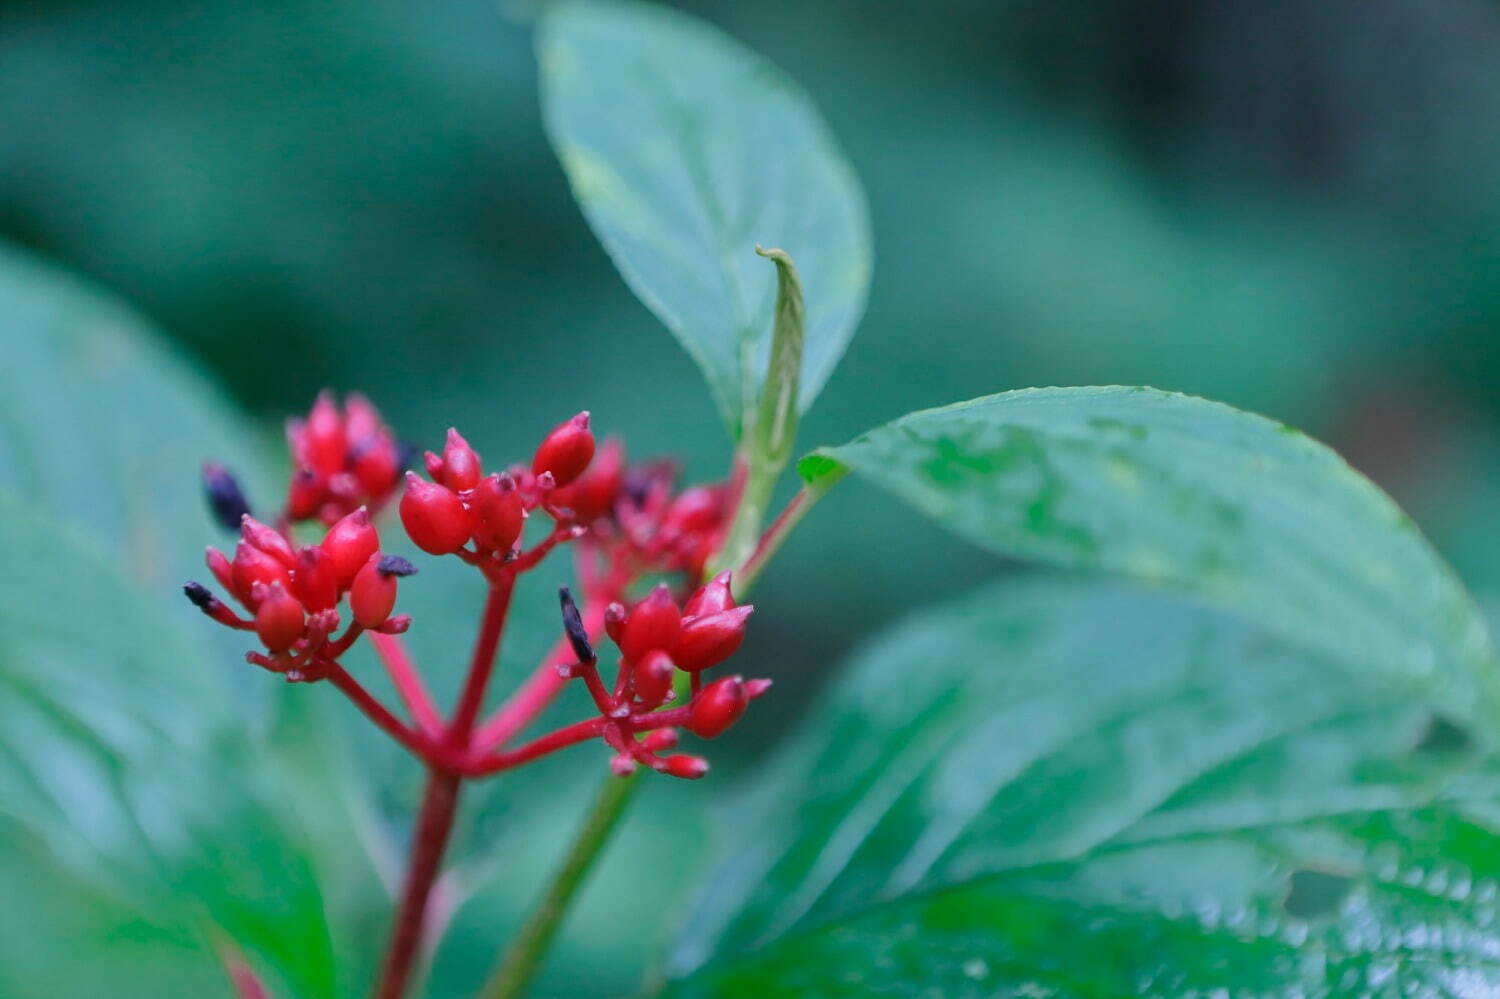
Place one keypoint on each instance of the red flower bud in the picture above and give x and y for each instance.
(373, 595)
(315, 581)
(653, 677)
(696, 509)
(717, 706)
(686, 767)
(376, 464)
(434, 516)
(594, 492)
(754, 688)
(711, 598)
(361, 419)
(709, 640)
(278, 621)
(349, 543)
(219, 565)
(660, 739)
(324, 436)
(461, 469)
(304, 494)
(251, 566)
(566, 451)
(268, 540)
(653, 624)
(614, 620)
(498, 513)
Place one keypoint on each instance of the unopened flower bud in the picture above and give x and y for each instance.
(578, 638)
(434, 516)
(652, 624)
(696, 509)
(498, 513)
(718, 706)
(686, 767)
(349, 543)
(566, 451)
(218, 564)
(376, 464)
(324, 436)
(653, 674)
(593, 494)
(461, 470)
(226, 501)
(614, 621)
(251, 566)
(278, 621)
(659, 740)
(268, 540)
(709, 640)
(315, 581)
(373, 594)
(755, 688)
(711, 598)
(304, 494)
(200, 596)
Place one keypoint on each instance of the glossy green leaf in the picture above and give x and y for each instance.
(125, 754)
(685, 150)
(1237, 510)
(1055, 788)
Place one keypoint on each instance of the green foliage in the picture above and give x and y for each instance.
(1228, 507)
(685, 150)
(1069, 789)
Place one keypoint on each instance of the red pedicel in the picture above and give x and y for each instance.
(279, 621)
(566, 451)
(718, 706)
(652, 624)
(709, 640)
(434, 516)
(498, 513)
(349, 543)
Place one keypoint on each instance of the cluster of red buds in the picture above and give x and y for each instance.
(292, 593)
(656, 638)
(343, 460)
(628, 523)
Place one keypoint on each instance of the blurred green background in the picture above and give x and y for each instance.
(1291, 207)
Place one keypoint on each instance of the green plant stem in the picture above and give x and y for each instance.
(520, 962)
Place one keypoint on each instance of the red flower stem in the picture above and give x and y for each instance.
(590, 673)
(403, 673)
(439, 803)
(538, 690)
(379, 713)
(483, 664)
(570, 735)
(795, 509)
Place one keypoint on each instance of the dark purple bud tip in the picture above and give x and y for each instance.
(406, 454)
(573, 626)
(200, 596)
(226, 500)
(394, 565)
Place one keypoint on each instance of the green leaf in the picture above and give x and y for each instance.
(685, 150)
(1229, 507)
(105, 428)
(124, 755)
(1062, 789)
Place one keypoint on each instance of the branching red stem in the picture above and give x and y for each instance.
(379, 713)
(439, 803)
(408, 681)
